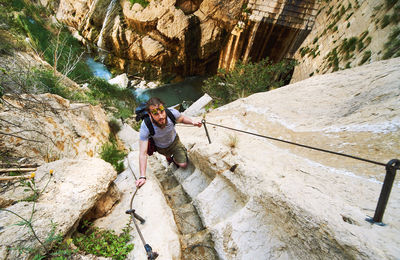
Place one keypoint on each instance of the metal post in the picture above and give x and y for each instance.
(205, 128)
(391, 167)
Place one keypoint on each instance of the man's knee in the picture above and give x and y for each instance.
(182, 165)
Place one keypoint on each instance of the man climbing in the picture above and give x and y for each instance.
(162, 131)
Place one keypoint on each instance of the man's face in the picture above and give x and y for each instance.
(158, 114)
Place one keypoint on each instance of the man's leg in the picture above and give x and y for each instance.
(180, 155)
(176, 152)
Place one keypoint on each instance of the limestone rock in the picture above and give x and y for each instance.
(48, 127)
(161, 34)
(197, 108)
(211, 38)
(159, 230)
(306, 204)
(105, 203)
(72, 12)
(173, 24)
(121, 81)
(325, 43)
(74, 188)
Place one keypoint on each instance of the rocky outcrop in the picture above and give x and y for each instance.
(182, 37)
(47, 127)
(191, 37)
(269, 29)
(347, 35)
(66, 196)
(159, 230)
(262, 199)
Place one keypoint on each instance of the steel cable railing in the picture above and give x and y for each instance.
(391, 167)
(149, 251)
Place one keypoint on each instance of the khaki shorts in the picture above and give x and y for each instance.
(177, 149)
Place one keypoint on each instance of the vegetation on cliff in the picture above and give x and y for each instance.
(26, 27)
(37, 56)
(248, 78)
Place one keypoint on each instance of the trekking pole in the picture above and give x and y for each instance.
(149, 251)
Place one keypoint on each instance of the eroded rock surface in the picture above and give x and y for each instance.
(263, 199)
(74, 188)
(48, 127)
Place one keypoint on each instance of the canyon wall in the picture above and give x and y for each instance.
(166, 36)
(197, 37)
(189, 37)
(263, 199)
(348, 34)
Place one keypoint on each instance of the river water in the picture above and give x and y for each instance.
(98, 69)
(184, 92)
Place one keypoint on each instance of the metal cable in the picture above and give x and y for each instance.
(301, 145)
(150, 254)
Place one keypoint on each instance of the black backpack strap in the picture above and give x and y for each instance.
(149, 125)
(170, 115)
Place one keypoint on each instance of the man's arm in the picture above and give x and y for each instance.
(142, 162)
(188, 121)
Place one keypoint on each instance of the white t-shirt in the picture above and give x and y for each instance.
(163, 137)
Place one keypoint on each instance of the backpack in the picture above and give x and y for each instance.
(141, 114)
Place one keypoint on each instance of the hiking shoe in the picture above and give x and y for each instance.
(170, 160)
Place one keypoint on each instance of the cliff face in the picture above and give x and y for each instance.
(47, 127)
(348, 34)
(180, 36)
(195, 37)
(190, 37)
(262, 199)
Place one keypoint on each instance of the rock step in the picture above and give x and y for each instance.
(218, 201)
(177, 197)
(187, 219)
(199, 246)
(196, 241)
(196, 183)
(182, 174)
(167, 180)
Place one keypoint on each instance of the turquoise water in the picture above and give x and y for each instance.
(172, 94)
(98, 69)
(185, 92)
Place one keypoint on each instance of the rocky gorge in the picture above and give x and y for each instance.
(250, 198)
(186, 38)
(242, 196)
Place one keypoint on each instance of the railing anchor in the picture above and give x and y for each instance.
(205, 128)
(391, 167)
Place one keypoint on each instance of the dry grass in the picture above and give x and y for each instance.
(232, 141)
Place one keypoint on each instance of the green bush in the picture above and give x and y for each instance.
(392, 46)
(46, 82)
(349, 45)
(50, 44)
(36, 32)
(112, 96)
(9, 43)
(110, 153)
(143, 3)
(385, 21)
(366, 57)
(246, 79)
(304, 51)
(104, 242)
(390, 3)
